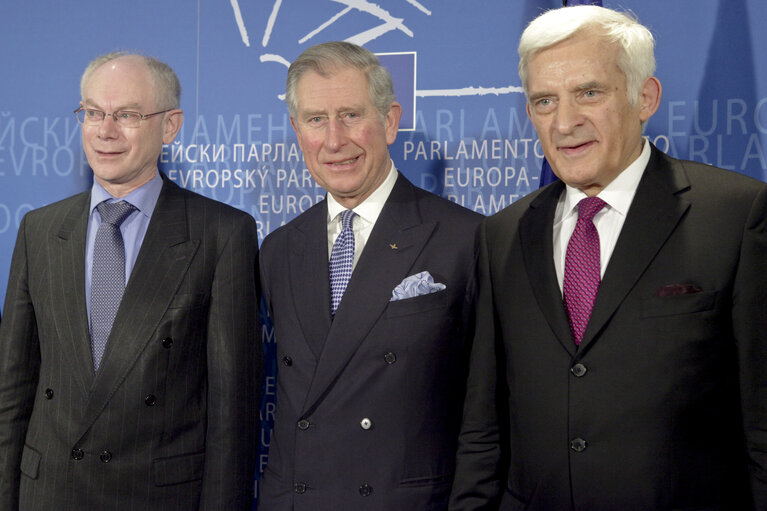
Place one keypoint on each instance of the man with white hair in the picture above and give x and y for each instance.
(620, 355)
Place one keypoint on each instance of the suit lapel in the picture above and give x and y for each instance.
(68, 306)
(162, 262)
(309, 280)
(535, 236)
(396, 241)
(654, 214)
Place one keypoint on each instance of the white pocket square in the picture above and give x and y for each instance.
(416, 285)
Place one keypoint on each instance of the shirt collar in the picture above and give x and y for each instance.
(619, 193)
(370, 208)
(144, 198)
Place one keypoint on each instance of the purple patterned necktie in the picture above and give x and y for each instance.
(341, 260)
(108, 274)
(582, 272)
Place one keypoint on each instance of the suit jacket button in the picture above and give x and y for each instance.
(167, 342)
(150, 400)
(287, 361)
(390, 358)
(303, 424)
(48, 393)
(366, 423)
(578, 370)
(366, 490)
(578, 445)
(77, 454)
(105, 457)
(299, 488)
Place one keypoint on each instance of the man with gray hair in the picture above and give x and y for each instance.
(620, 355)
(371, 292)
(129, 350)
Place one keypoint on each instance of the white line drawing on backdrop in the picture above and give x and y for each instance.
(388, 24)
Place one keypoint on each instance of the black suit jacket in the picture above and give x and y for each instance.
(170, 420)
(664, 405)
(369, 404)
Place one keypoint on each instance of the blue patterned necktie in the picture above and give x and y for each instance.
(582, 269)
(108, 277)
(341, 260)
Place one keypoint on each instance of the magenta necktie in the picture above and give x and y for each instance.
(582, 274)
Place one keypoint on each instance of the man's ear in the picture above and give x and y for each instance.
(649, 98)
(172, 125)
(391, 122)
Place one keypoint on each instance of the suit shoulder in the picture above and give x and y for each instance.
(56, 211)
(280, 233)
(64, 204)
(441, 208)
(719, 179)
(703, 176)
(197, 201)
(514, 211)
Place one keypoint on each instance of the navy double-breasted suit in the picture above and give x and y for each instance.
(369, 403)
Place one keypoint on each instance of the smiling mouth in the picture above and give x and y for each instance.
(576, 147)
(108, 153)
(344, 162)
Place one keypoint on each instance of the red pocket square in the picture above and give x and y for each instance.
(676, 290)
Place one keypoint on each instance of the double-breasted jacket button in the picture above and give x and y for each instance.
(303, 424)
(578, 370)
(366, 490)
(578, 444)
(390, 358)
(48, 393)
(77, 454)
(150, 400)
(105, 457)
(366, 423)
(299, 488)
(287, 361)
(167, 342)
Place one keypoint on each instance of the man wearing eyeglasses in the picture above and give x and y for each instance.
(129, 350)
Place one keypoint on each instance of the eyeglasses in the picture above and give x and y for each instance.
(125, 118)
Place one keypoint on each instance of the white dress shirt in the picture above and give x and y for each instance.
(367, 214)
(609, 221)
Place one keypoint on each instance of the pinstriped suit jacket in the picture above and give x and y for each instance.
(170, 420)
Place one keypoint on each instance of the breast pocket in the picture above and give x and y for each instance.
(676, 305)
(417, 304)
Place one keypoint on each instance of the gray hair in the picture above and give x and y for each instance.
(167, 86)
(327, 58)
(636, 45)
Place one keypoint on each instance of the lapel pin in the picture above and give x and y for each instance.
(393, 246)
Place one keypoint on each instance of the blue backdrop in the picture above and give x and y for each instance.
(465, 133)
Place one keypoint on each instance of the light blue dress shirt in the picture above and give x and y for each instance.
(133, 229)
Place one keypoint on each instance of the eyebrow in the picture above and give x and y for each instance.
(130, 106)
(322, 111)
(590, 85)
(538, 95)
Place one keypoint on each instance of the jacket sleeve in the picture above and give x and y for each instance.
(477, 482)
(19, 371)
(235, 361)
(749, 321)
